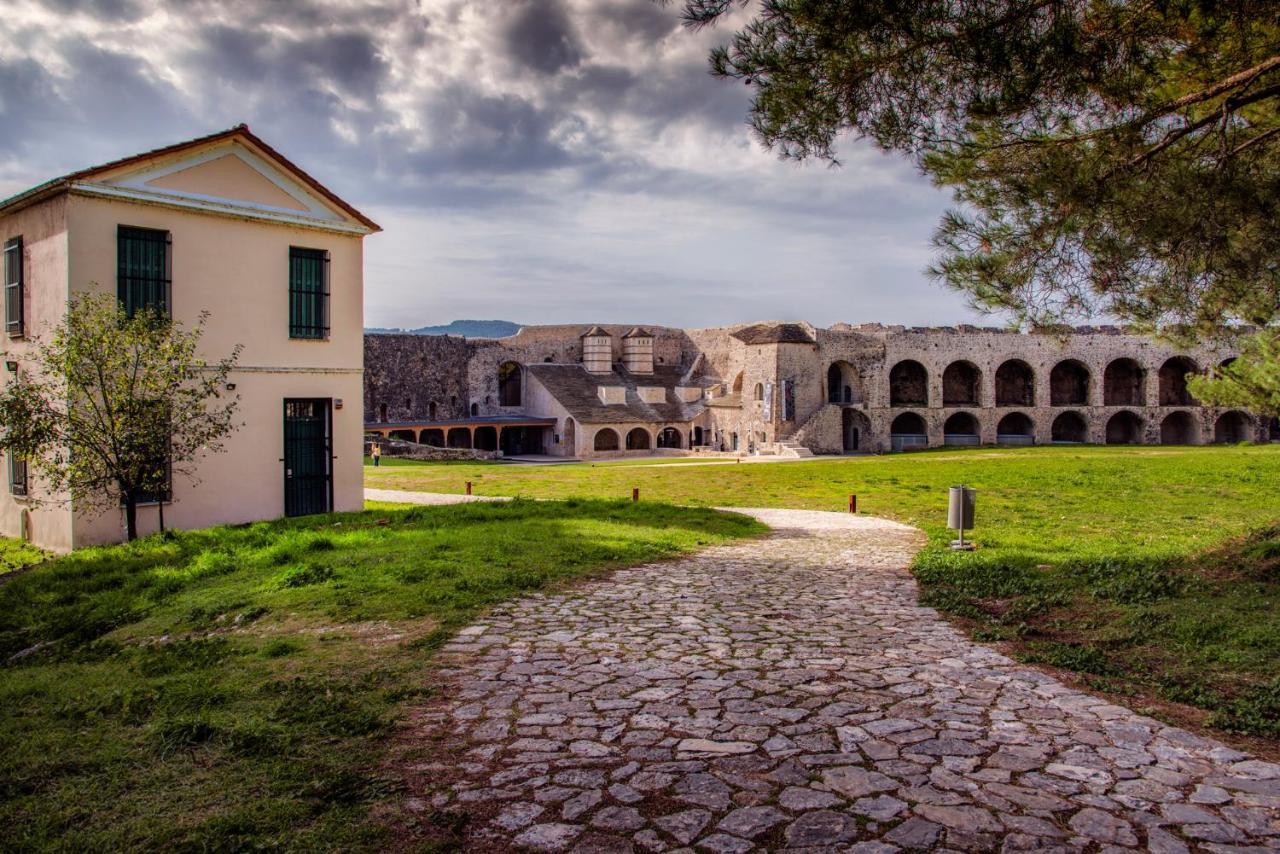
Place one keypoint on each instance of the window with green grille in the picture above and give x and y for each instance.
(17, 475)
(13, 288)
(142, 260)
(308, 293)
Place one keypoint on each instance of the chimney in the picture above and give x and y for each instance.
(597, 351)
(637, 351)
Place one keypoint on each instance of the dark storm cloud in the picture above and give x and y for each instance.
(113, 10)
(539, 35)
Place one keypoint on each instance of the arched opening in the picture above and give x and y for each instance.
(698, 440)
(1069, 384)
(475, 410)
(1070, 428)
(431, 410)
(1123, 384)
(908, 431)
(486, 438)
(1015, 384)
(908, 384)
(1273, 430)
(1173, 382)
(403, 435)
(1232, 427)
(453, 403)
(961, 384)
(1179, 428)
(669, 438)
(844, 383)
(459, 437)
(759, 393)
(509, 376)
(606, 440)
(1015, 429)
(570, 437)
(382, 413)
(961, 429)
(434, 438)
(1124, 428)
(737, 383)
(733, 442)
(853, 428)
(638, 439)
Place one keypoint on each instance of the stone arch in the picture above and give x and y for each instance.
(1232, 427)
(1124, 383)
(961, 384)
(759, 392)
(459, 437)
(510, 382)
(1070, 427)
(854, 429)
(404, 435)
(475, 410)
(1015, 384)
(1069, 384)
(1124, 428)
(433, 437)
(669, 437)
(606, 439)
(638, 439)
(908, 430)
(1173, 382)
(1016, 428)
(961, 429)
(1179, 428)
(431, 411)
(844, 383)
(908, 384)
(382, 413)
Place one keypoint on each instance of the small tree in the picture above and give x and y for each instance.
(111, 406)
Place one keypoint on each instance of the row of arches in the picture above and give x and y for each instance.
(1124, 383)
(636, 439)
(1123, 428)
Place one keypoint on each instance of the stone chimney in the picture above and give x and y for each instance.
(597, 351)
(637, 351)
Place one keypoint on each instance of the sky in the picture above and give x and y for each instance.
(540, 161)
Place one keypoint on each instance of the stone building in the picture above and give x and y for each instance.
(790, 389)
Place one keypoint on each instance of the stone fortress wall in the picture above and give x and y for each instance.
(855, 388)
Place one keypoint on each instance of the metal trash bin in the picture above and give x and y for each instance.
(960, 503)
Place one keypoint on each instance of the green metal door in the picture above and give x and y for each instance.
(308, 474)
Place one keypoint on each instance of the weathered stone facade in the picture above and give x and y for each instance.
(792, 388)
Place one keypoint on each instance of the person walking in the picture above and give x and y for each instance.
(376, 453)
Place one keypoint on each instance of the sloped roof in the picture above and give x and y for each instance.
(638, 332)
(596, 331)
(774, 333)
(64, 182)
(575, 389)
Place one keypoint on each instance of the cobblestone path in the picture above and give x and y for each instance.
(790, 693)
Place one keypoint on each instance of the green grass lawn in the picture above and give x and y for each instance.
(233, 689)
(15, 554)
(1152, 572)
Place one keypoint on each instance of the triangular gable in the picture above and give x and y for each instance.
(228, 176)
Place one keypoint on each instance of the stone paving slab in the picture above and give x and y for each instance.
(790, 694)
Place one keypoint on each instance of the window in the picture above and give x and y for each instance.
(13, 294)
(308, 293)
(142, 269)
(17, 475)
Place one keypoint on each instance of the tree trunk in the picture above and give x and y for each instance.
(130, 516)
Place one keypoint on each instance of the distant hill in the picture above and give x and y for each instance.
(469, 328)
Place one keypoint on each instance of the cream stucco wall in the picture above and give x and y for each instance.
(237, 270)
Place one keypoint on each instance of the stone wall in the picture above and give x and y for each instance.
(409, 374)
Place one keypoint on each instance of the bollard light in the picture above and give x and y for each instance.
(468, 487)
(960, 515)
(635, 493)
(853, 503)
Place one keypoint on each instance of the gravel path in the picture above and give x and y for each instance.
(791, 693)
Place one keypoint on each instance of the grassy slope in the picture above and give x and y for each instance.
(1126, 565)
(15, 554)
(230, 688)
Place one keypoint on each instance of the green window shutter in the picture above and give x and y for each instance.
(142, 262)
(308, 293)
(13, 288)
(17, 475)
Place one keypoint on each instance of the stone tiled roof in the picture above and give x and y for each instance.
(575, 390)
(638, 332)
(774, 333)
(596, 332)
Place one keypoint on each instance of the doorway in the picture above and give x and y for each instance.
(308, 445)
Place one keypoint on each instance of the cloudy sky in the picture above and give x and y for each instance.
(532, 160)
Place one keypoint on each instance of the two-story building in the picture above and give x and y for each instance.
(222, 224)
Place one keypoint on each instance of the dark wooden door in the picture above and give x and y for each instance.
(308, 470)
